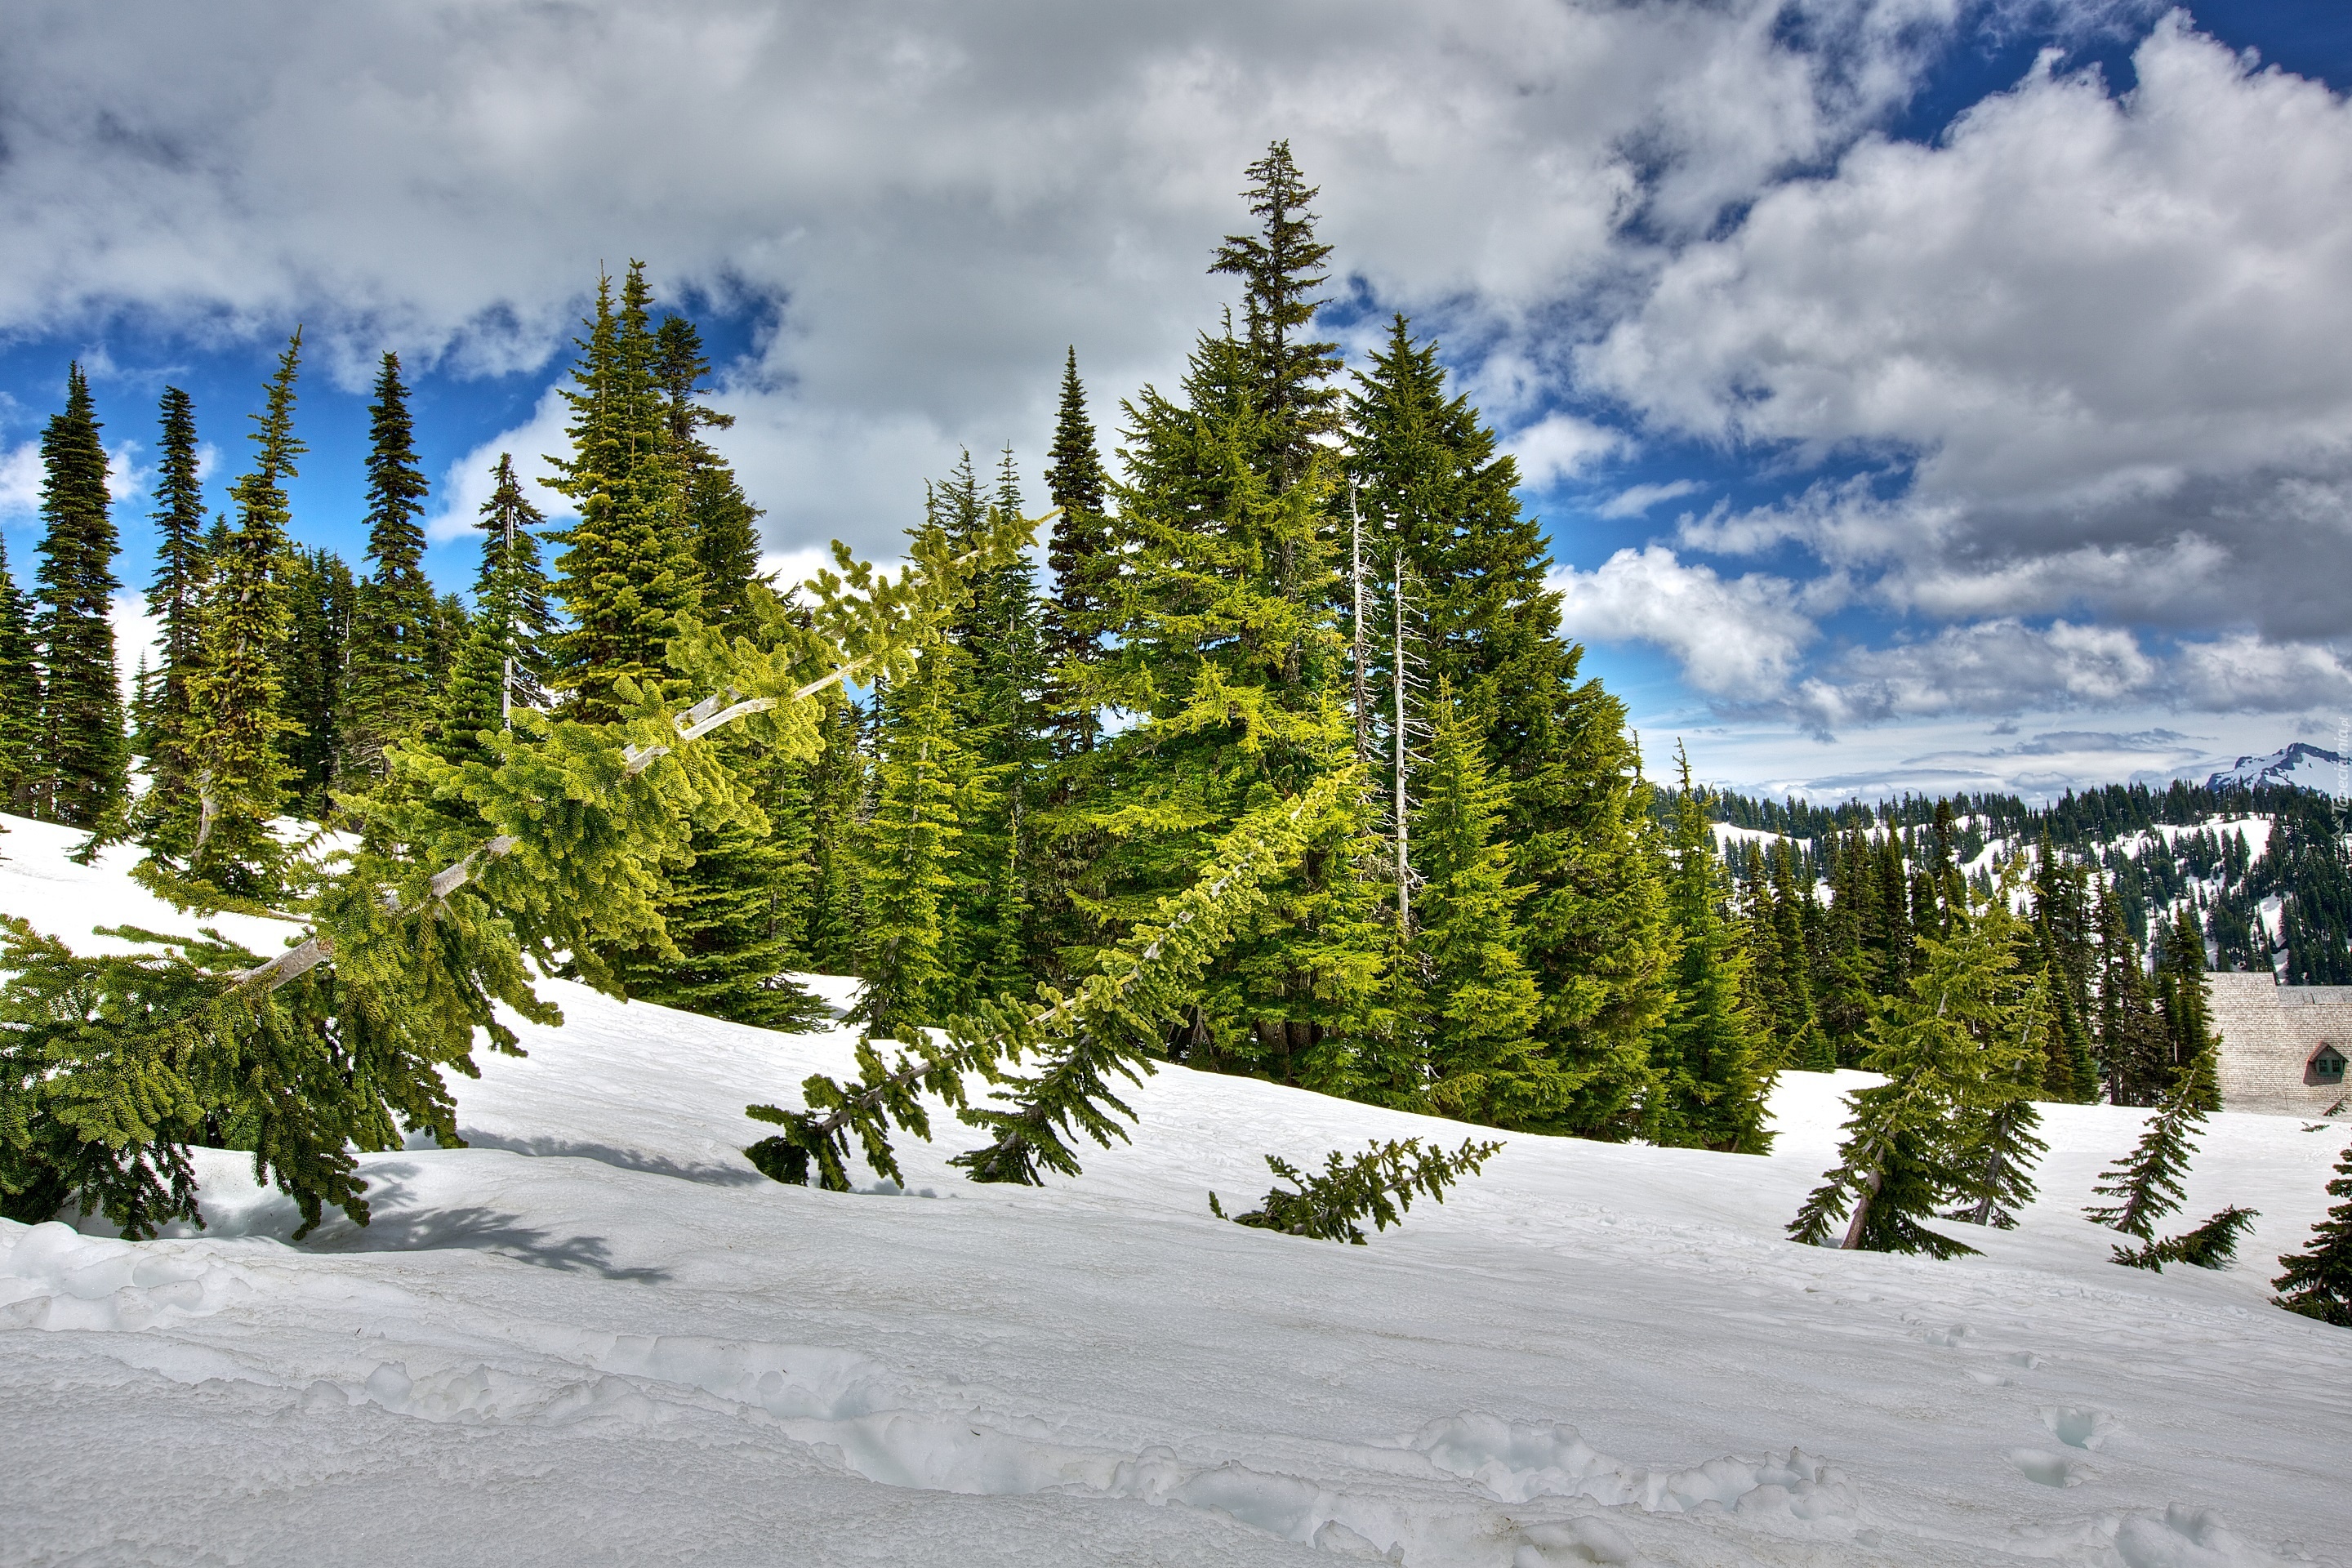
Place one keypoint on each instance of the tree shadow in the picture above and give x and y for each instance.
(713, 1175)
(481, 1229)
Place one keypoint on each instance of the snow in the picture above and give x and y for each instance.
(596, 1336)
(2298, 763)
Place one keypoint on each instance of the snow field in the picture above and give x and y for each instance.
(597, 1336)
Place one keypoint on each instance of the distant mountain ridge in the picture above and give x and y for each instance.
(2299, 764)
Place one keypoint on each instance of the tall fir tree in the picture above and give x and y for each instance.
(84, 765)
(1710, 1083)
(504, 662)
(1466, 997)
(2185, 1003)
(218, 833)
(833, 925)
(907, 850)
(1431, 485)
(174, 596)
(2061, 921)
(388, 688)
(322, 599)
(1281, 267)
(626, 570)
(20, 696)
(2132, 1047)
(1085, 569)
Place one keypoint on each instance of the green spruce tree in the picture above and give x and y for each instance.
(2318, 1280)
(2184, 1003)
(1710, 1082)
(388, 686)
(174, 597)
(83, 770)
(20, 697)
(1084, 567)
(322, 601)
(2146, 1185)
(218, 833)
(907, 851)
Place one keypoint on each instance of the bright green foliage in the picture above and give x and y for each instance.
(2145, 1185)
(838, 784)
(1111, 1023)
(1377, 1184)
(1778, 905)
(2213, 1245)
(1431, 483)
(722, 524)
(2183, 999)
(174, 598)
(1900, 1159)
(628, 570)
(389, 689)
(1996, 1128)
(219, 832)
(1464, 995)
(470, 875)
(321, 603)
(2317, 1281)
(922, 776)
(20, 696)
(1710, 1082)
(84, 764)
(1084, 571)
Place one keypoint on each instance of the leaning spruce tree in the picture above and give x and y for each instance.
(463, 884)
(2317, 1281)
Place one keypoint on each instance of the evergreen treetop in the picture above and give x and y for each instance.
(390, 685)
(172, 598)
(1281, 268)
(2318, 1280)
(2146, 1185)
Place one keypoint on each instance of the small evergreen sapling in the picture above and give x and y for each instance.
(2210, 1246)
(2318, 1282)
(1377, 1184)
(2145, 1185)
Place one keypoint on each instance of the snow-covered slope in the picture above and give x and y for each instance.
(2298, 764)
(596, 1336)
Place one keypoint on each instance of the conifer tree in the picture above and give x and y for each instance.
(1711, 1085)
(2061, 919)
(1900, 1160)
(322, 604)
(20, 697)
(219, 832)
(2133, 1045)
(1998, 1128)
(174, 599)
(1429, 479)
(719, 521)
(389, 686)
(626, 572)
(1281, 268)
(906, 857)
(2184, 1005)
(2145, 1185)
(1466, 990)
(2318, 1280)
(85, 753)
(1084, 570)
(833, 925)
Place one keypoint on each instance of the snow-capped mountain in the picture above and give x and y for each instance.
(2299, 763)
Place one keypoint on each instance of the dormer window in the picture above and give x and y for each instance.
(2327, 1064)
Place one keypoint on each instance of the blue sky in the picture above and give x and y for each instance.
(1919, 394)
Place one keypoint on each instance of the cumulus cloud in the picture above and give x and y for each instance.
(1561, 447)
(20, 479)
(1739, 638)
(2090, 337)
(928, 200)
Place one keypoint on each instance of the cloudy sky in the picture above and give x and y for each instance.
(1919, 393)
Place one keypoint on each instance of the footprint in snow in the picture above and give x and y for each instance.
(1951, 1336)
(2049, 1469)
(2079, 1428)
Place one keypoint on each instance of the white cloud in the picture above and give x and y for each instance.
(137, 635)
(1561, 447)
(20, 479)
(465, 485)
(1635, 500)
(2100, 332)
(933, 200)
(1739, 638)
